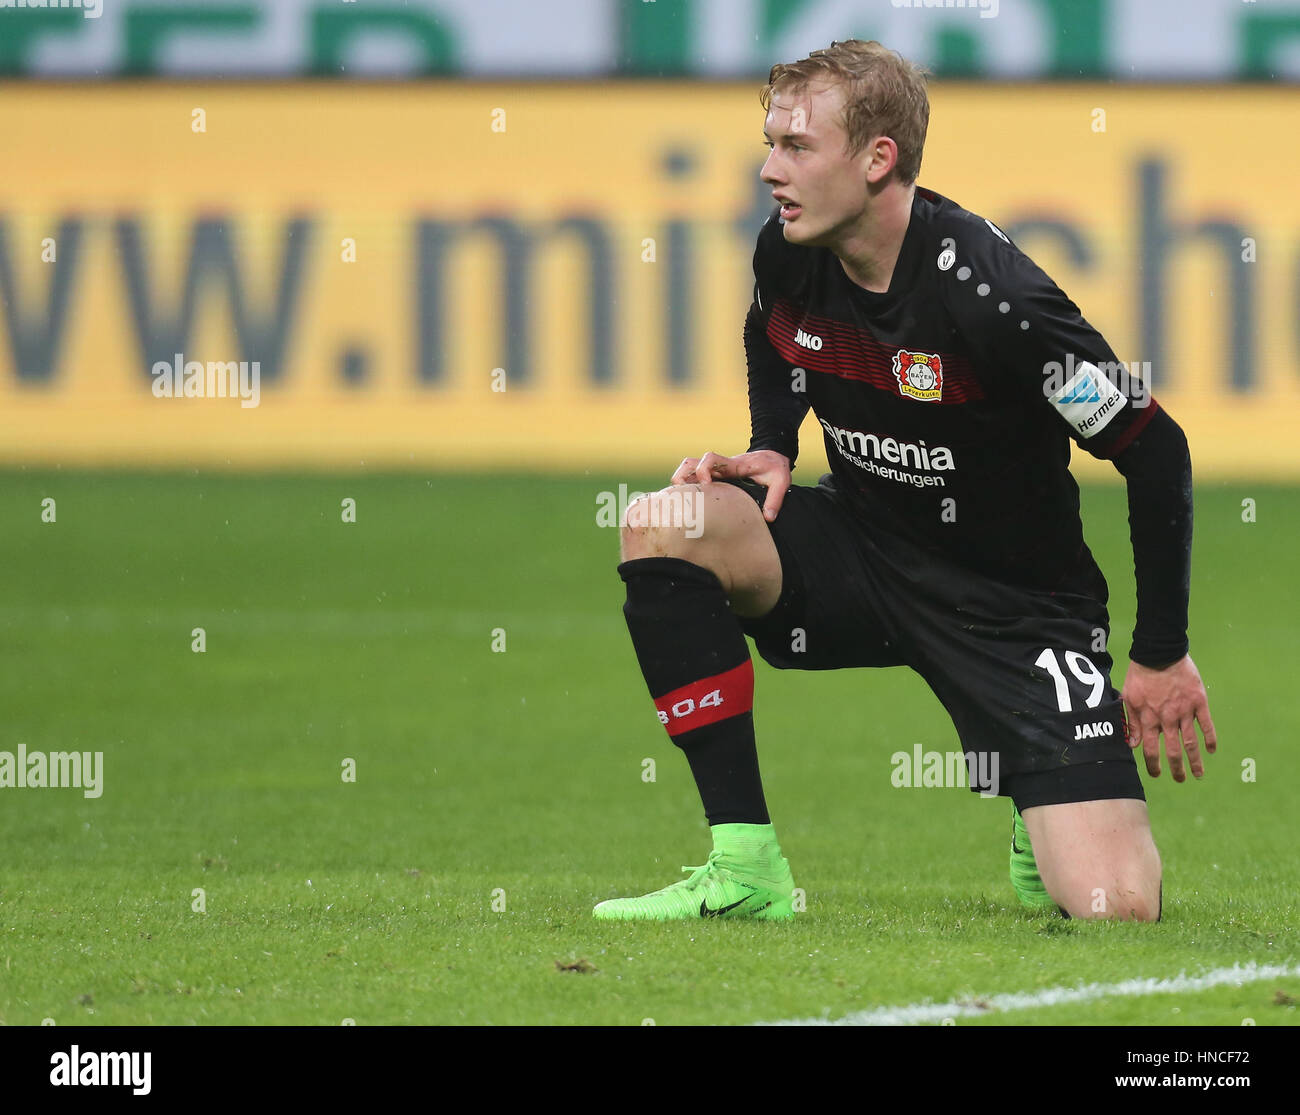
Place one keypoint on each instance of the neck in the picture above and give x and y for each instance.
(870, 251)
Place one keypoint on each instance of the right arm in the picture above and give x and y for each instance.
(776, 410)
(775, 413)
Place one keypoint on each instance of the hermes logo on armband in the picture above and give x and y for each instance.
(1085, 395)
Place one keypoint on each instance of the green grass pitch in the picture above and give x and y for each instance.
(499, 795)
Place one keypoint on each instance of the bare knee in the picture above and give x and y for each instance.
(1098, 859)
(1132, 897)
(716, 526)
(682, 521)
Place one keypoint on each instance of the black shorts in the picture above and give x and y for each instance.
(1024, 674)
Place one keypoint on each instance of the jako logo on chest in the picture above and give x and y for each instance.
(808, 340)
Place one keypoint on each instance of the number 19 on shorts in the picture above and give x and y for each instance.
(1081, 666)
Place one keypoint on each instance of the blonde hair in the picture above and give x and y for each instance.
(884, 94)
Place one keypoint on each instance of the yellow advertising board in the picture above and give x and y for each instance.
(524, 276)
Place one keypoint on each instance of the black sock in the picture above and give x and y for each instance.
(696, 662)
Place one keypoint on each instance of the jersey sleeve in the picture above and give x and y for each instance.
(1017, 320)
(1158, 469)
(776, 408)
(1039, 346)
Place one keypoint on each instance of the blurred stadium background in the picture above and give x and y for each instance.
(389, 202)
(492, 259)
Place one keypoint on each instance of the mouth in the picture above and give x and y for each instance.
(790, 211)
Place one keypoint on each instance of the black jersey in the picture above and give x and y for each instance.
(949, 402)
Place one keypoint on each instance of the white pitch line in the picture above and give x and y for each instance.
(983, 1005)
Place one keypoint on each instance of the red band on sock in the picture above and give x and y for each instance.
(709, 700)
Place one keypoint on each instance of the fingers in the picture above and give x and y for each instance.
(1174, 750)
(774, 498)
(1173, 709)
(685, 473)
(768, 468)
(701, 470)
(1207, 726)
(771, 470)
(713, 466)
(1146, 733)
(1188, 730)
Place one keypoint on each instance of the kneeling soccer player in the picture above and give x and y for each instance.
(949, 374)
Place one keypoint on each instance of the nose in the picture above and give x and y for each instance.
(768, 174)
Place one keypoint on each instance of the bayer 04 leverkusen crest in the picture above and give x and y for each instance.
(919, 375)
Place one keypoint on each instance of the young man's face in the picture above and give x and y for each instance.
(826, 189)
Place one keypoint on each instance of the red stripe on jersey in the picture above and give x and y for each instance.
(1138, 425)
(709, 700)
(855, 354)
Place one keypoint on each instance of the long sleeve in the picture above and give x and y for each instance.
(776, 409)
(1158, 468)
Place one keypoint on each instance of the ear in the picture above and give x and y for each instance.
(882, 157)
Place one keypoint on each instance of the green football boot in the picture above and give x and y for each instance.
(1024, 868)
(746, 877)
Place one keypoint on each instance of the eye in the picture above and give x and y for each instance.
(768, 144)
